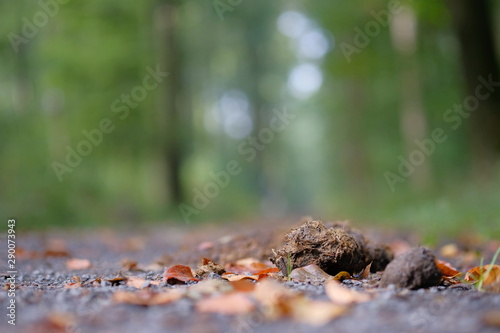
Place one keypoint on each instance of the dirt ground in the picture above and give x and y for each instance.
(53, 295)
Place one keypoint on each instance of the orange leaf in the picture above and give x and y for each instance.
(232, 303)
(146, 297)
(446, 269)
(474, 274)
(243, 285)
(77, 264)
(344, 296)
(267, 271)
(246, 266)
(178, 273)
(238, 277)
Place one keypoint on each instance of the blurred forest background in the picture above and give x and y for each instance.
(361, 80)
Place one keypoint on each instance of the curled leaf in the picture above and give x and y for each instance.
(247, 266)
(310, 273)
(489, 273)
(178, 274)
(446, 269)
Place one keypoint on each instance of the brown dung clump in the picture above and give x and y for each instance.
(333, 250)
(416, 268)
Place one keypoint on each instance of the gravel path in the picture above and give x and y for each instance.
(44, 303)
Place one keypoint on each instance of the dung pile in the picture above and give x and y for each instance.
(414, 269)
(334, 249)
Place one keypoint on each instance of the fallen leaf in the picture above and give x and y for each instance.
(366, 272)
(205, 246)
(246, 266)
(238, 277)
(178, 273)
(310, 273)
(139, 283)
(344, 296)
(492, 318)
(56, 247)
(232, 304)
(56, 322)
(449, 250)
(474, 274)
(147, 297)
(315, 313)
(243, 285)
(71, 285)
(129, 265)
(446, 269)
(116, 281)
(77, 264)
(209, 287)
(207, 267)
(278, 301)
(268, 271)
(275, 298)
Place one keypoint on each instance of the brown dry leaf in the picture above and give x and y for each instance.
(366, 272)
(137, 282)
(209, 287)
(343, 296)
(449, 250)
(315, 313)
(56, 322)
(278, 301)
(237, 277)
(243, 285)
(205, 246)
(71, 285)
(446, 269)
(246, 266)
(129, 265)
(178, 273)
(116, 281)
(275, 298)
(492, 318)
(77, 264)
(310, 273)
(56, 247)
(474, 274)
(207, 267)
(147, 297)
(232, 304)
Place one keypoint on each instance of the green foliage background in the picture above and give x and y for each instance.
(91, 52)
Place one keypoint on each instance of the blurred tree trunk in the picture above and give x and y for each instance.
(355, 153)
(172, 100)
(474, 29)
(413, 121)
